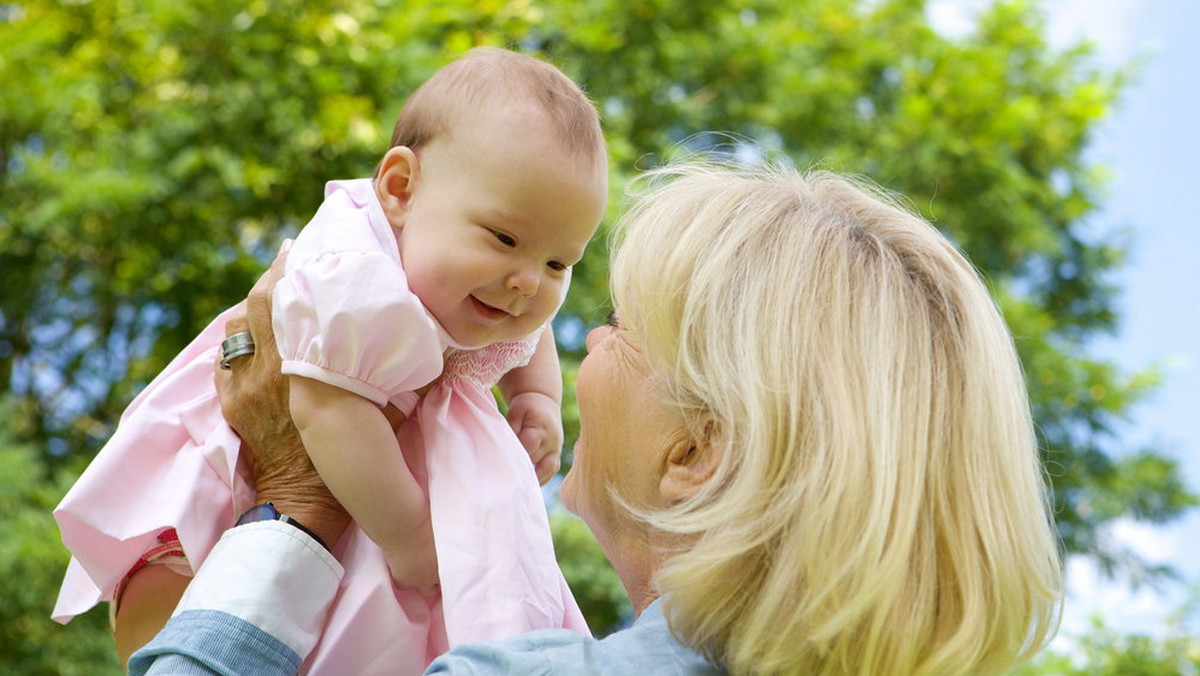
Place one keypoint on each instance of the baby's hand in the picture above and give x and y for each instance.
(414, 562)
(537, 420)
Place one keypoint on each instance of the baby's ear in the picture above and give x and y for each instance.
(394, 183)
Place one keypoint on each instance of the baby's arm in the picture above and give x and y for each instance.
(354, 449)
(534, 396)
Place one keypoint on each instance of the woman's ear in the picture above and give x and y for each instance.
(394, 183)
(691, 464)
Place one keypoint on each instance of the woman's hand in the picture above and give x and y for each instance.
(254, 400)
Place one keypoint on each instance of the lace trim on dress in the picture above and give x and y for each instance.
(487, 365)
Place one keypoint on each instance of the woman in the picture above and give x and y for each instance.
(805, 446)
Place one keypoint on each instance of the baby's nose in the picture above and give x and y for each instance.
(524, 281)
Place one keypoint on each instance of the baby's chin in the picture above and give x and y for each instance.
(475, 341)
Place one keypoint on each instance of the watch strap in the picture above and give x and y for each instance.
(266, 511)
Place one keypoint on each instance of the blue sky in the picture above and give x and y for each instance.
(1150, 145)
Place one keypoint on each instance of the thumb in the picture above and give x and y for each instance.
(516, 420)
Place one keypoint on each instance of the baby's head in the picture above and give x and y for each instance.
(495, 182)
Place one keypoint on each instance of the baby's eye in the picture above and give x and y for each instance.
(556, 266)
(506, 240)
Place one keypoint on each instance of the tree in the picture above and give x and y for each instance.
(152, 155)
(1102, 651)
(593, 581)
(31, 565)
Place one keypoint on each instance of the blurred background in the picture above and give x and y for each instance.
(154, 154)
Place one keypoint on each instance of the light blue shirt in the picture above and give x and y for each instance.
(262, 619)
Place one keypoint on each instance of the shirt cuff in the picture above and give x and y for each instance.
(271, 575)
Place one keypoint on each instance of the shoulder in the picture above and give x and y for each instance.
(645, 648)
(549, 651)
(346, 221)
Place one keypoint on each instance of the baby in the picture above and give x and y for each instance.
(407, 297)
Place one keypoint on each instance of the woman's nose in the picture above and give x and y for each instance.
(594, 336)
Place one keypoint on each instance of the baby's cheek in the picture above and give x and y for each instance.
(561, 287)
(548, 300)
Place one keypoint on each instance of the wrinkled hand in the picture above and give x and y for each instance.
(254, 400)
(537, 420)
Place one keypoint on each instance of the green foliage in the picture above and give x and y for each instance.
(1102, 651)
(153, 154)
(32, 562)
(592, 578)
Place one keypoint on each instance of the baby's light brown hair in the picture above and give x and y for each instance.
(486, 77)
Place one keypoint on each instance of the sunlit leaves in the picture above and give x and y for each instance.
(153, 154)
(31, 565)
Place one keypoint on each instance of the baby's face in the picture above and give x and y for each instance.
(500, 212)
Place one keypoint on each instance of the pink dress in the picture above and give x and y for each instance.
(343, 314)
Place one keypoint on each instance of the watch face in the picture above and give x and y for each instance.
(264, 512)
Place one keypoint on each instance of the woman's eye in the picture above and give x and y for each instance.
(611, 319)
(504, 239)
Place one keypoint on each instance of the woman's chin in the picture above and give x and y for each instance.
(566, 492)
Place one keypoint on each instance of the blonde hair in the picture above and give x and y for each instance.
(485, 77)
(879, 507)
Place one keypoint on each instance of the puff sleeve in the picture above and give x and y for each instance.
(348, 319)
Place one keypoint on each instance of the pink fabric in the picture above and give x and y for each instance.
(344, 315)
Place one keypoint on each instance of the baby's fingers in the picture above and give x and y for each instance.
(532, 438)
(547, 467)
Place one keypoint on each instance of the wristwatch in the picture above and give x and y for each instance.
(267, 512)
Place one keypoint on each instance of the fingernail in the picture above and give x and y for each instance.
(286, 246)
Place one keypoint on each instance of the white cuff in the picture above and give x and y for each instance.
(271, 575)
